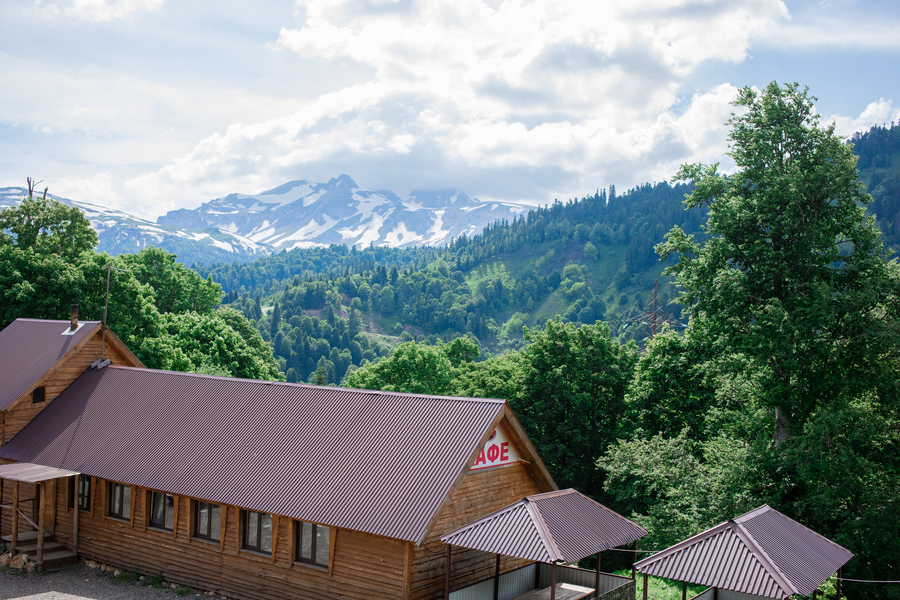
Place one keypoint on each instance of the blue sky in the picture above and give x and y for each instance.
(152, 105)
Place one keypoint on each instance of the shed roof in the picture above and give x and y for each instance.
(30, 347)
(556, 526)
(371, 461)
(29, 473)
(762, 552)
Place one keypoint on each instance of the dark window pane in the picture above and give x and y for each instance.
(322, 545)
(265, 543)
(306, 541)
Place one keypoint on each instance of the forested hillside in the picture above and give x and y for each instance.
(586, 260)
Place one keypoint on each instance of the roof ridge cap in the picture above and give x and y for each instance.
(764, 558)
(320, 387)
(543, 531)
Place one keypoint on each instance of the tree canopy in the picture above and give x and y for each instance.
(162, 310)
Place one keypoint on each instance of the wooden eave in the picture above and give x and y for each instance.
(532, 462)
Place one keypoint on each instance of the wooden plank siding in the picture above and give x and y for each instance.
(364, 565)
(481, 493)
(57, 379)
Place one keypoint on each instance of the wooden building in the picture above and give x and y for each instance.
(259, 490)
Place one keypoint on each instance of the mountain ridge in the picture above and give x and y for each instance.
(302, 214)
(296, 214)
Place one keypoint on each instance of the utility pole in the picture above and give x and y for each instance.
(655, 317)
(109, 269)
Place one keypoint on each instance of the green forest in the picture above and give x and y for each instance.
(774, 381)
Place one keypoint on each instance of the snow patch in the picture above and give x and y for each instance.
(401, 236)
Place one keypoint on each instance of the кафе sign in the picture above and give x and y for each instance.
(497, 451)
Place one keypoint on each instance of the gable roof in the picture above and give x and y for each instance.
(762, 552)
(555, 526)
(31, 347)
(376, 462)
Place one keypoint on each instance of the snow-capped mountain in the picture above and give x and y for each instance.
(300, 214)
(121, 233)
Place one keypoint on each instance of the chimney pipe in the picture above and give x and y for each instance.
(74, 318)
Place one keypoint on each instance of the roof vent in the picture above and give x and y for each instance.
(73, 324)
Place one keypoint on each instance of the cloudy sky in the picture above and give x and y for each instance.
(151, 105)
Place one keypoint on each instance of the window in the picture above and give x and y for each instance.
(119, 501)
(162, 511)
(207, 521)
(84, 492)
(311, 543)
(257, 533)
(37, 395)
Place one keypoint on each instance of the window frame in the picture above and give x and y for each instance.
(207, 536)
(39, 392)
(299, 526)
(124, 510)
(245, 532)
(154, 498)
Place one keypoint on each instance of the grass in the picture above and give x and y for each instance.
(661, 589)
(127, 577)
(155, 581)
(183, 591)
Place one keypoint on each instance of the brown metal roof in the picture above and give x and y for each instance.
(371, 461)
(29, 473)
(562, 526)
(29, 348)
(763, 553)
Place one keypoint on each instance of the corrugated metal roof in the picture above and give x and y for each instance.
(29, 348)
(763, 553)
(29, 473)
(556, 526)
(371, 461)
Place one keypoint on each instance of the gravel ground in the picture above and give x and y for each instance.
(78, 583)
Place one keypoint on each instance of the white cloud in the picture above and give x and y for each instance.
(881, 112)
(536, 98)
(107, 10)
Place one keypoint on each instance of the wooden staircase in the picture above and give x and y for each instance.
(56, 556)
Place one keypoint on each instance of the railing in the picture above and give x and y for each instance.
(583, 577)
(23, 515)
(522, 580)
(512, 584)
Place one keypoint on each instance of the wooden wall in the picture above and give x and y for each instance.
(61, 376)
(362, 566)
(481, 493)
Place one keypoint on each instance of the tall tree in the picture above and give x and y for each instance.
(793, 274)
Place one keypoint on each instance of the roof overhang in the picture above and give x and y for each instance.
(31, 473)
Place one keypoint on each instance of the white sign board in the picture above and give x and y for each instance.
(497, 451)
